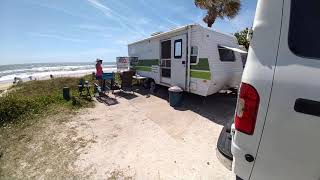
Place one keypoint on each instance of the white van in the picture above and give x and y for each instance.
(195, 58)
(277, 120)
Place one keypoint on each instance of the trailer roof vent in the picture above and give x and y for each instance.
(156, 33)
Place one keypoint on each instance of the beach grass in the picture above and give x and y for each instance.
(36, 98)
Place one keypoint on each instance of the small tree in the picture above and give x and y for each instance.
(218, 8)
(242, 38)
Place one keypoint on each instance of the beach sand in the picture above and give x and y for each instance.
(130, 136)
(5, 86)
(145, 138)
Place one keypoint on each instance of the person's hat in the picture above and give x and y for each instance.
(99, 60)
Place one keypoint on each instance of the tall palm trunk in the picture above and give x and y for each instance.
(211, 17)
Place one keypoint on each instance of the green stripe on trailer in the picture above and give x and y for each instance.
(143, 68)
(201, 74)
(203, 64)
(148, 62)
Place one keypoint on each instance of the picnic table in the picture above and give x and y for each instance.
(139, 79)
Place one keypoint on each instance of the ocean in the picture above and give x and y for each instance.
(44, 70)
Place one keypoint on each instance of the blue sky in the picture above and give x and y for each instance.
(82, 30)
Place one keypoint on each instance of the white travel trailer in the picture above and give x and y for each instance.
(214, 62)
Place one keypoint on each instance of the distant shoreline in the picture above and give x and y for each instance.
(7, 84)
(45, 70)
(40, 63)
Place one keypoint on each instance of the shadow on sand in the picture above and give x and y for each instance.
(109, 101)
(105, 99)
(218, 108)
(127, 95)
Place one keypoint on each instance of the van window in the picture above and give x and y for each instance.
(178, 48)
(194, 54)
(226, 54)
(304, 38)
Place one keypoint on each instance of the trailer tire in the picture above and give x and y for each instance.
(147, 83)
(153, 87)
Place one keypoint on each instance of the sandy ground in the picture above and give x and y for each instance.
(4, 86)
(127, 137)
(144, 138)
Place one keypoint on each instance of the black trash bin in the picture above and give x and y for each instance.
(66, 93)
(175, 96)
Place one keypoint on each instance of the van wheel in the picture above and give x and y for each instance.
(234, 91)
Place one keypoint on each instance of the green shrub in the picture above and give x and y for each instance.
(36, 97)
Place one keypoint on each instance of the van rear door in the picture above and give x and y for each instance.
(289, 147)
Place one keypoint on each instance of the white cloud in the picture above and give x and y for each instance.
(96, 3)
(89, 54)
(107, 36)
(160, 16)
(97, 51)
(95, 27)
(142, 21)
(199, 19)
(122, 42)
(243, 20)
(59, 9)
(125, 21)
(55, 36)
(91, 27)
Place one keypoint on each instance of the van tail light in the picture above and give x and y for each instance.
(247, 109)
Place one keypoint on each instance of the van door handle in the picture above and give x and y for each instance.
(307, 106)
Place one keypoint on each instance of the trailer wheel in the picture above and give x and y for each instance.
(153, 87)
(147, 83)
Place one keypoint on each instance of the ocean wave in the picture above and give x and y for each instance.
(55, 68)
(43, 72)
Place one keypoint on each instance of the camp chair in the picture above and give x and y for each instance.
(84, 86)
(126, 81)
(108, 82)
(81, 86)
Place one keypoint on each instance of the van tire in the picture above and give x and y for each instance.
(234, 91)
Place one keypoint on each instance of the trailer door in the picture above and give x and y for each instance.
(179, 61)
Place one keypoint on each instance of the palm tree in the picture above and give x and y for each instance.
(218, 8)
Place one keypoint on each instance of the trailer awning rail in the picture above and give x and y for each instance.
(234, 49)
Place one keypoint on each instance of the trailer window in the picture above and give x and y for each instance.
(166, 49)
(226, 54)
(304, 39)
(178, 48)
(194, 54)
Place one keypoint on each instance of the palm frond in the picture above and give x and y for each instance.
(218, 8)
(202, 4)
(232, 8)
